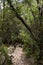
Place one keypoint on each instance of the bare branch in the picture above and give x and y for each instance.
(37, 1)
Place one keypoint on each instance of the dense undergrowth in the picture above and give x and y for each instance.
(4, 58)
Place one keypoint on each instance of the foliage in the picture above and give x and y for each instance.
(30, 47)
(11, 29)
(4, 58)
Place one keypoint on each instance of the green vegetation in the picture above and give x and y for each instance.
(22, 22)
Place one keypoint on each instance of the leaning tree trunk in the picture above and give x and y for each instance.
(40, 59)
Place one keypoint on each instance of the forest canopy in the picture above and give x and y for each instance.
(21, 21)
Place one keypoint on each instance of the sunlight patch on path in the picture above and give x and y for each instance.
(17, 56)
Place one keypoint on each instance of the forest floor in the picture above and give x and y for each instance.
(18, 56)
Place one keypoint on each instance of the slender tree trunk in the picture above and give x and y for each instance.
(40, 59)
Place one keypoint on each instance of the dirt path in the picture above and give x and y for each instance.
(17, 56)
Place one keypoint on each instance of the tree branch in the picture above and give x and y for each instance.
(22, 20)
(40, 8)
(37, 1)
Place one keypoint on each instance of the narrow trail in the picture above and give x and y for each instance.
(17, 56)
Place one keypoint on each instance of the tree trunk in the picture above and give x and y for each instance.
(40, 59)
